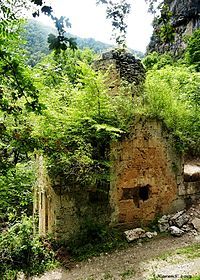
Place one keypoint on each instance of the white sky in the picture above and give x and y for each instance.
(89, 21)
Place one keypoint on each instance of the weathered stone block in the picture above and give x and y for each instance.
(148, 175)
(150, 234)
(196, 223)
(175, 231)
(163, 223)
(134, 234)
(180, 218)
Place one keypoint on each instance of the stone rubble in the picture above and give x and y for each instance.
(182, 222)
(196, 223)
(150, 234)
(138, 233)
(185, 221)
(175, 231)
(164, 223)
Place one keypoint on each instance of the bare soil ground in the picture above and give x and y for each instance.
(141, 261)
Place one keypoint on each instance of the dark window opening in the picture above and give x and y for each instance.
(129, 193)
(195, 177)
(144, 193)
(100, 194)
(94, 197)
(137, 194)
(46, 214)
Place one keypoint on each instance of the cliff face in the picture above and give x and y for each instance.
(184, 12)
(185, 18)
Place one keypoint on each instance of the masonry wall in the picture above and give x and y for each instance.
(44, 200)
(147, 173)
(122, 68)
(191, 188)
(66, 213)
(146, 176)
(146, 180)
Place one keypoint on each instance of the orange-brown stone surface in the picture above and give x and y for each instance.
(145, 169)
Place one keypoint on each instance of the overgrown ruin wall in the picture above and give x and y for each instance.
(44, 199)
(121, 67)
(66, 213)
(146, 180)
(147, 173)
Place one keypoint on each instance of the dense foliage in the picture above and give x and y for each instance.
(80, 120)
(189, 57)
(23, 251)
(192, 54)
(63, 109)
(35, 38)
(16, 188)
(18, 97)
(172, 95)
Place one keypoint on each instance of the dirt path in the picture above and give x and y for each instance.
(136, 262)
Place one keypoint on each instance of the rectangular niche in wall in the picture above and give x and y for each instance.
(137, 194)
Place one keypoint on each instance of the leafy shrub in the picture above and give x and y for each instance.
(195, 277)
(22, 251)
(78, 125)
(16, 191)
(172, 95)
(192, 54)
(157, 61)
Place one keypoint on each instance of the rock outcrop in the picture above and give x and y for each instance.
(184, 20)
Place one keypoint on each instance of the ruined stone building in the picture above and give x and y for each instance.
(146, 176)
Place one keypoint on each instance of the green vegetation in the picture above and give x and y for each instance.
(23, 251)
(36, 45)
(80, 120)
(191, 252)
(18, 97)
(128, 273)
(163, 28)
(35, 38)
(16, 192)
(156, 61)
(155, 277)
(172, 95)
(192, 53)
(190, 57)
(93, 240)
(62, 108)
(195, 277)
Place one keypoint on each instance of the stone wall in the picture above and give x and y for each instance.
(66, 213)
(191, 188)
(44, 199)
(147, 174)
(122, 68)
(146, 181)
